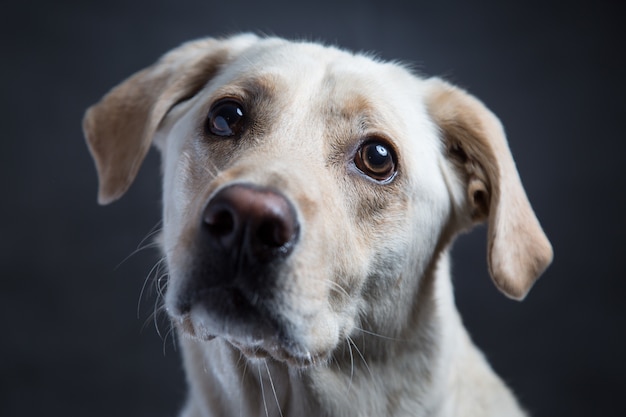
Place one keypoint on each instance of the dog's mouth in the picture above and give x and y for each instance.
(246, 324)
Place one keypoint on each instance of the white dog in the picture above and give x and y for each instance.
(310, 200)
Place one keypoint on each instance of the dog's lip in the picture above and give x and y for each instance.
(279, 352)
(228, 314)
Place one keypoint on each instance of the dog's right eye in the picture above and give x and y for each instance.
(226, 118)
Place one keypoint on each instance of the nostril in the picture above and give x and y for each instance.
(220, 222)
(273, 233)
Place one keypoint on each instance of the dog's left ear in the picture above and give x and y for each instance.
(120, 128)
(518, 250)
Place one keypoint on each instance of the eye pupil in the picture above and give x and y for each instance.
(377, 155)
(376, 160)
(225, 118)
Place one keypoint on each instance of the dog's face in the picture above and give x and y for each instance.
(299, 181)
(307, 190)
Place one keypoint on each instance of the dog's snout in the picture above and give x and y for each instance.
(255, 222)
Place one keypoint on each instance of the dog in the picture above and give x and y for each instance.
(310, 199)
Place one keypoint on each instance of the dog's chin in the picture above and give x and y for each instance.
(250, 331)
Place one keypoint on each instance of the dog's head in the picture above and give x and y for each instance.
(307, 190)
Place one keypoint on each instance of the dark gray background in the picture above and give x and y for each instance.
(71, 340)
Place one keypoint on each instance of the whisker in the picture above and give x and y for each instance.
(361, 355)
(156, 229)
(267, 414)
(351, 364)
(154, 270)
(337, 287)
(155, 275)
(155, 315)
(269, 374)
(161, 284)
(243, 377)
(379, 335)
(159, 306)
(169, 332)
(215, 172)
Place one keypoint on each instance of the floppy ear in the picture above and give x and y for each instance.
(518, 250)
(119, 129)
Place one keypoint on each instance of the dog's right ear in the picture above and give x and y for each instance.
(119, 129)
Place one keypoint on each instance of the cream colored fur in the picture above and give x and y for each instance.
(365, 303)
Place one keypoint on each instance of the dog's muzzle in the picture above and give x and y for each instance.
(232, 287)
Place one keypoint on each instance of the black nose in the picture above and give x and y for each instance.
(250, 224)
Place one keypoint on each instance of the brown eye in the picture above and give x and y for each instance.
(376, 160)
(225, 118)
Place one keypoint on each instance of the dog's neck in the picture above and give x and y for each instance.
(411, 371)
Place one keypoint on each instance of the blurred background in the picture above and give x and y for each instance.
(76, 336)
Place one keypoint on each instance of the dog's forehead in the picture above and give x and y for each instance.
(297, 60)
(332, 80)
(307, 66)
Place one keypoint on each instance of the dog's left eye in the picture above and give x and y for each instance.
(376, 160)
(225, 118)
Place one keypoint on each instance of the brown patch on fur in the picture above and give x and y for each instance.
(259, 97)
(356, 107)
